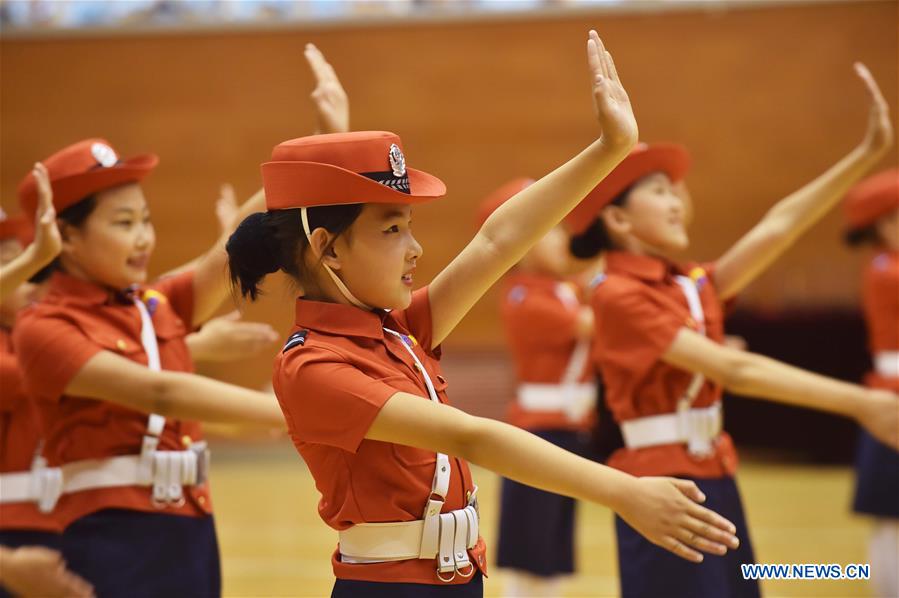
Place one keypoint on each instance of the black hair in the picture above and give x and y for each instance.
(596, 239)
(75, 215)
(867, 235)
(266, 242)
(607, 437)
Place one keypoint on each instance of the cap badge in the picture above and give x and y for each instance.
(104, 154)
(397, 161)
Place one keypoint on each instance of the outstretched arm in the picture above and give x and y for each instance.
(110, 377)
(799, 211)
(228, 338)
(754, 375)
(662, 509)
(519, 223)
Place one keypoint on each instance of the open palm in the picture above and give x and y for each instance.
(613, 107)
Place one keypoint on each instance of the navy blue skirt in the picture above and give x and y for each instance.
(18, 538)
(877, 478)
(145, 555)
(648, 571)
(349, 588)
(536, 528)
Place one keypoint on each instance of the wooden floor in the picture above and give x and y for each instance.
(274, 544)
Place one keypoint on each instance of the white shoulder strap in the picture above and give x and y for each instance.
(442, 473)
(155, 423)
(577, 362)
(581, 352)
(442, 470)
(694, 302)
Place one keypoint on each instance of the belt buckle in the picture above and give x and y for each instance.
(471, 500)
(203, 457)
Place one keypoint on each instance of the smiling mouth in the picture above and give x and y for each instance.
(139, 262)
(407, 278)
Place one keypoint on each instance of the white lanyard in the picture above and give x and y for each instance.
(694, 302)
(155, 423)
(440, 486)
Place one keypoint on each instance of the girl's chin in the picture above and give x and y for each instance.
(125, 279)
(403, 299)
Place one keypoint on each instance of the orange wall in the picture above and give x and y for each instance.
(765, 98)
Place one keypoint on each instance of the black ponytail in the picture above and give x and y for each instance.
(596, 239)
(266, 242)
(862, 236)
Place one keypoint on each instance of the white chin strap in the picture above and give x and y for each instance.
(340, 286)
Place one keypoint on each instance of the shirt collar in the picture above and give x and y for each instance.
(339, 319)
(531, 279)
(72, 289)
(641, 266)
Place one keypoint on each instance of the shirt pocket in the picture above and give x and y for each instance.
(116, 341)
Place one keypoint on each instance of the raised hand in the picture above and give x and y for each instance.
(664, 510)
(331, 103)
(613, 107)
(226, 209)
(35, 571)
(879, 136)
(47, 240)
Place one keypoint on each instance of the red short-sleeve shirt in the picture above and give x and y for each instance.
(540, 316)
(880, 299)
(331, 387)
(20, 433)
(639, 309)
(56, 337)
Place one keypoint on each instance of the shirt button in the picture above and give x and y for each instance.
(186, 440)
(121, 345)
(201, 500)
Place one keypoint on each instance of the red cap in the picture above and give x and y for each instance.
(500, 196)
(344, 168)
(872, 198)
(82, 169)
(669, 158)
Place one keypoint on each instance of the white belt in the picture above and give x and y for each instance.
(575, 400)
(695, 427)
(166, 471)
(448, 542)
(886, 363)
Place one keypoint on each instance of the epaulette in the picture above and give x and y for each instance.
(598, 280)
(297, 338)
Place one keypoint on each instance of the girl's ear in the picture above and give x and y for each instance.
(616, 220)
(322, 248)
(69, 234)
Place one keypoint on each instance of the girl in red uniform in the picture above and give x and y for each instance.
(30, 561)
(549, 330)
(359, 380)
(31, 536)
(659, 343)
(105, 352)
(872, 218)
